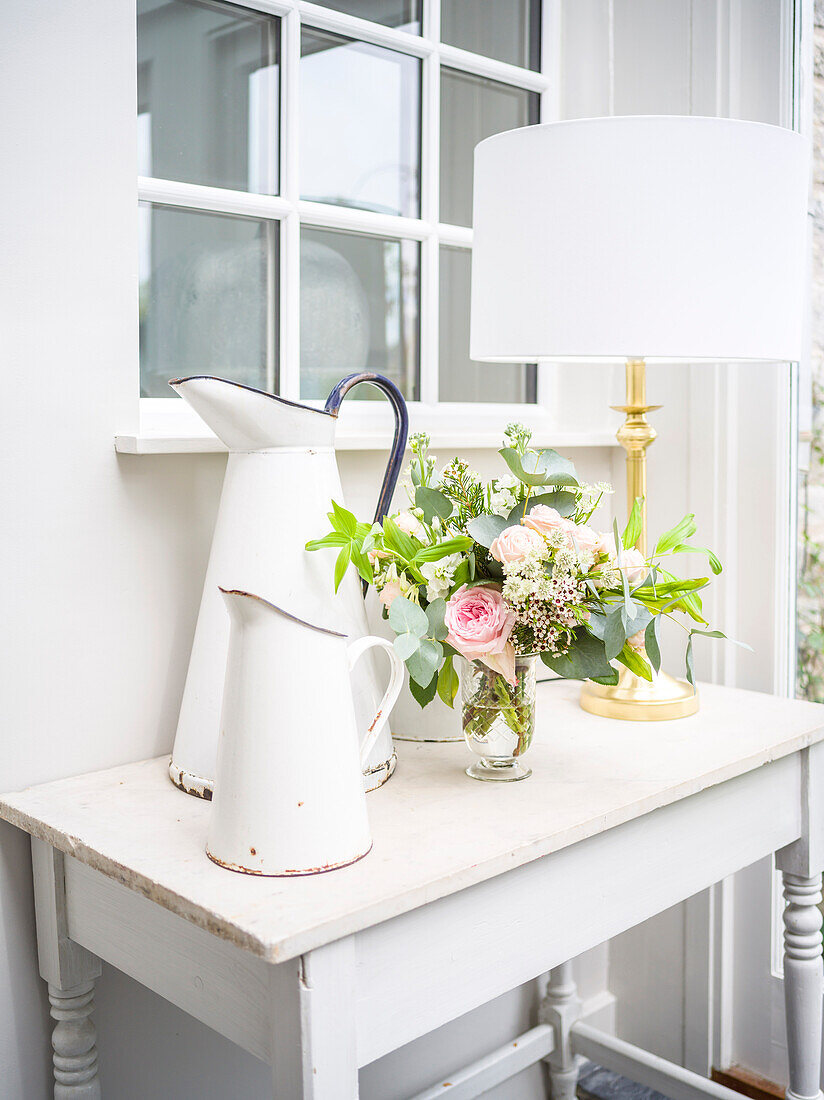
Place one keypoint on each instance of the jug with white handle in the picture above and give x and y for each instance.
(280, 477)
(288, 796)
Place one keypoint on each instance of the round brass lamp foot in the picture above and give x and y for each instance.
(638, 700)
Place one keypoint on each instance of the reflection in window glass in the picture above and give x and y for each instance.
(460, 378)
(208, 95)
(359, 308)
(508, 30)
(208, 298)
(403, 15)
(473, 108)
(359, 125)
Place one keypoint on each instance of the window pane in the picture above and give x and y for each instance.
(359, 125)
(208, 298)
(359, 308)
(508, 30)
(403, 15)
(473, 108)
(462, 379)
(208, 91)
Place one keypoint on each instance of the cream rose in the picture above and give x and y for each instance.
(545, 520)
(633, 564)
(411, 525)
(514, 543)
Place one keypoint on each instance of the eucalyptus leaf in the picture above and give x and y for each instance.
(564, 504)
(584, 660)
(435, 613)
(423, 663)
(485, 529)
(432, 503)
(405, 617)
(615, 633)
(539, 468)
(651, 646)
(406, 644)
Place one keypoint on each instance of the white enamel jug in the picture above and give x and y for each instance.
(288, 796)
(281, 476)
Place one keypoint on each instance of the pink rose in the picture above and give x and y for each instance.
(411, 525)
(479, 625)
(544, 520)
(389, 593)
(633, 563)
(514, 543)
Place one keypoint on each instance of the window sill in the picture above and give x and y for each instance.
(171, 427)
(206, 443)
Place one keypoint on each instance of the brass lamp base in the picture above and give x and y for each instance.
(638, 700)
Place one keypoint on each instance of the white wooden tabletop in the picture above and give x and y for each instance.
(435, 831)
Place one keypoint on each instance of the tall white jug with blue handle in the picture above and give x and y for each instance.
(280, 478)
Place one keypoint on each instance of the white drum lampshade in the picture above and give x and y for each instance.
(661, 237)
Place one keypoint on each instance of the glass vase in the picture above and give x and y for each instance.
(498, 719)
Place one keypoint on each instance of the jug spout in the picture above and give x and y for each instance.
(246, 419)
(247, 608)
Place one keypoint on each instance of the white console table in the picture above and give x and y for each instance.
(471, 889)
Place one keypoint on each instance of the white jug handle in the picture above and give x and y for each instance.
(353, 653)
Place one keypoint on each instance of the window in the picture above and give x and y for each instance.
(305, 190)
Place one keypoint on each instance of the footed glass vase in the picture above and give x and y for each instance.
(498, 719)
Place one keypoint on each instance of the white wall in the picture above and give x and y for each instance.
(103, 553)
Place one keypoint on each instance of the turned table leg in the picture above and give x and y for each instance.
(70, 971)
(803, 986)
(74, 1041)
(560, 1009)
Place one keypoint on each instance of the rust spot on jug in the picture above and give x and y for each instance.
(300, 803)
(253, 851)
(375, 720)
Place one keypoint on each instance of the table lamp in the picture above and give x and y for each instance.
(639, 239)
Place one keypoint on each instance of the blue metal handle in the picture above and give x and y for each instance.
(396, 400)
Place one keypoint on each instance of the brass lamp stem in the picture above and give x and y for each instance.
(635, 435)
(633, 697)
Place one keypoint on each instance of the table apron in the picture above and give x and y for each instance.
(426, 967)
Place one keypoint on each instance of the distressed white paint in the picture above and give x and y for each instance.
(289, 797)
(70, 971)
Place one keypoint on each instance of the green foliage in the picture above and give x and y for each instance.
(632, 531)
(535, 468)
(485, 529)
(348, 535)
(584, 660)
(651, 646)
(432, 503)
(563, 502)
(448, 681)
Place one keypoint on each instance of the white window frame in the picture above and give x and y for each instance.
(168, 425)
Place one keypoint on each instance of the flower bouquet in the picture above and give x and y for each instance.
(508, 571)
